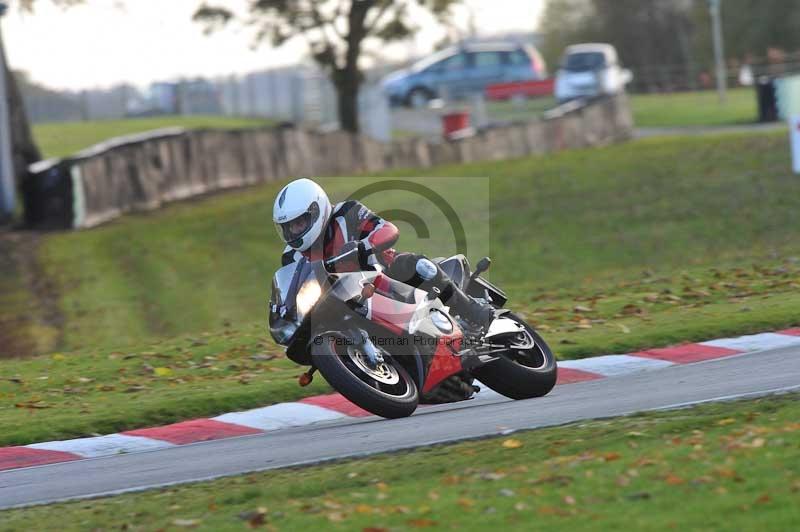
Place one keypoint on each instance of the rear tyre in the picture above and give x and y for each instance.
(386, 390)
(522, 374)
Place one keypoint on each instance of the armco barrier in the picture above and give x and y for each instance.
(143, 172)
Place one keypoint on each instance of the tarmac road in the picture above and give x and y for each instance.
(752, 374)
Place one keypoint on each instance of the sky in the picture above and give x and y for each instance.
(139, 41)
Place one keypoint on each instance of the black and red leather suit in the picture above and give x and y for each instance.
(352, 223)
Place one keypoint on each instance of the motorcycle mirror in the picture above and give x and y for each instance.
(483, 265)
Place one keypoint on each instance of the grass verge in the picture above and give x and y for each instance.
(574, 224)
(59, 139)
(102, 392)
(627, 247)
(699, 108)
(729, 466)
(679, 109)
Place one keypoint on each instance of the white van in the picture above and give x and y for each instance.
(590, 70)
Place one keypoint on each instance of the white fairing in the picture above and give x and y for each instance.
(294, 200)
(503, 326)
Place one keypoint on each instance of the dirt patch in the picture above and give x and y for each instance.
(30, 318)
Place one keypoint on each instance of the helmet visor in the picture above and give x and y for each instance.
(293, 231)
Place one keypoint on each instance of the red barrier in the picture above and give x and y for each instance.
(454, 122)
(504, 91)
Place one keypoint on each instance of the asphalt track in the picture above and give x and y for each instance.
(752, 374)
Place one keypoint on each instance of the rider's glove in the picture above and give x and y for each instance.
(363, 252)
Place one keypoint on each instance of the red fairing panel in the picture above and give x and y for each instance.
(445, 363)
(392, 314)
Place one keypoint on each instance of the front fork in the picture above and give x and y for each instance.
(374, 354)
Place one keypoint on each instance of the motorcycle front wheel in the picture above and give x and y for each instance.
(385, 388)
(528, 371)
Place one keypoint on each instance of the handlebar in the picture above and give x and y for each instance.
(352, 254)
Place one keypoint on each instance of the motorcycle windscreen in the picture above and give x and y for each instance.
(296, 289)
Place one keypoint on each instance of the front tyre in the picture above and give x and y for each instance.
(522, 373)
(385, 389)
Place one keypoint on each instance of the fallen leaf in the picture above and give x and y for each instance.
(186, 523)
(726, 421)
(551, 510)
(512, 444)
(630, 309)
(336, 517)
(255, 518)
(725, 472)
(422, 523)
(58, 357)
(465, 502)
(33, 404)
(162, 372)
(570, 500)
(673, 480)
(610, 457)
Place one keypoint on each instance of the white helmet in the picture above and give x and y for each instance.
(301, 211)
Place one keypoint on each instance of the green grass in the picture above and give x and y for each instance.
(62, 396)
(529, 109)
(680, 109)
(700, 108)
(583, 221)
(641, 245)
(60, 139)
(731, 466)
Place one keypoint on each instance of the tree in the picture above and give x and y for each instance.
(336, 32)
(23, 146)
(663, 40)
(647, 33)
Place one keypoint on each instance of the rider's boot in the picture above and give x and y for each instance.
(467, 307)
(422, 272)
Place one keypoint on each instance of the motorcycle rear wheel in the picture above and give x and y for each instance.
(522, 374)
(386, 390)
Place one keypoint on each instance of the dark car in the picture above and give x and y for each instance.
(461, 70)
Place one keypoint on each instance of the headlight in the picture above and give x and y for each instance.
(307, 296)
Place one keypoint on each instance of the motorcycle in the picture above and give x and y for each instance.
(385, 345)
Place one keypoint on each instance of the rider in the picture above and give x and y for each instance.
(314, 228)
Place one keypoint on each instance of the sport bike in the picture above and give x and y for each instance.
(387, 346)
